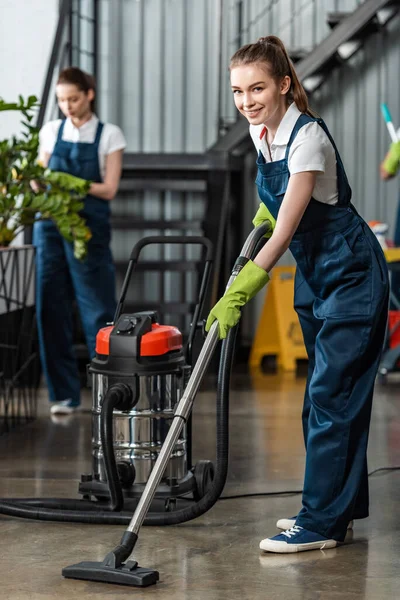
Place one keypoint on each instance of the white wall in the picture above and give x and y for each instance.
(26, 37)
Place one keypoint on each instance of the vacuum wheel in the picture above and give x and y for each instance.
(204, 476)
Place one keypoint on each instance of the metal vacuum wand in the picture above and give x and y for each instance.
(113, 569)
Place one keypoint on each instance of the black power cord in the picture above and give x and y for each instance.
(383, 469)
(288, 492)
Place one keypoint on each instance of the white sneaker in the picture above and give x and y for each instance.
(64, 407)
(285, 524)
(296, 539)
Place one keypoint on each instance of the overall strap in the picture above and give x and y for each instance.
(61, 130)
(98, 134)
(301, 121)
(344, 189)
(322, 124)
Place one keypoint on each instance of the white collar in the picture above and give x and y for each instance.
(286, 126)
(90, 124)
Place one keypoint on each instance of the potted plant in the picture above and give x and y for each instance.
(59, 197)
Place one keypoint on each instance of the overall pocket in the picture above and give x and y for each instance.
(342, 278)
(276, 183)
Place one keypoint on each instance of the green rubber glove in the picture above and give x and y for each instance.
(391, 163)
(250, 280)
(263, 215)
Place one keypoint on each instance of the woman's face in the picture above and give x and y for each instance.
(73, 102)
(257, 95)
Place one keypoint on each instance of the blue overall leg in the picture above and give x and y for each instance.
(54, 314)
(311, 326)
(93, 281)
(340, 399)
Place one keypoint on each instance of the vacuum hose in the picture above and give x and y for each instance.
(84, 511)
(118, 396)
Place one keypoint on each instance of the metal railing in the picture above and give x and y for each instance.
(75, 44)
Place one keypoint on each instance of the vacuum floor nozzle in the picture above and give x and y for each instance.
(128, 573)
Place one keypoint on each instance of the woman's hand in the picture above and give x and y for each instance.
(36, 187)
(250, 280)
(263, 215)
(43, 161)
(391, 162)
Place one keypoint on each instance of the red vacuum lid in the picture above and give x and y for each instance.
(160, 340)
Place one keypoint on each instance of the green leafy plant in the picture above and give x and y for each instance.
(59, 196)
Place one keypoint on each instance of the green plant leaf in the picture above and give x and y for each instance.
(62, 195)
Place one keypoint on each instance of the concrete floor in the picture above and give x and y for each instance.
(215, 557)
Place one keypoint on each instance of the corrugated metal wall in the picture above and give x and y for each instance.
(159, 72)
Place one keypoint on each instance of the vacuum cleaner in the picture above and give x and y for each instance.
(117, 567)
(137, 376)
(141, 445)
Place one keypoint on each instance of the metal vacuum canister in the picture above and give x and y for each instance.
(148, 357)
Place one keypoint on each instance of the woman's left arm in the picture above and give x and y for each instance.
(298, 195)
(113, 168)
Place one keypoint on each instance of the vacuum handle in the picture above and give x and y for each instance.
(172, 239)
(252, 240)
(159, 239)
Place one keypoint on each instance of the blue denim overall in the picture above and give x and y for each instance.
(341, 297)
(60, 277)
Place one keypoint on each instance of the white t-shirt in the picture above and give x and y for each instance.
(111, 140)
(311, 150)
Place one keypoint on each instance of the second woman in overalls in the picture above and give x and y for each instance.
(82, 146)
(341, 289)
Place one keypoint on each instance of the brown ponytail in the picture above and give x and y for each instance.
(272, 51)
(82, 80)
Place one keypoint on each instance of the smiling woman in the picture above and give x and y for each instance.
(341, 288)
